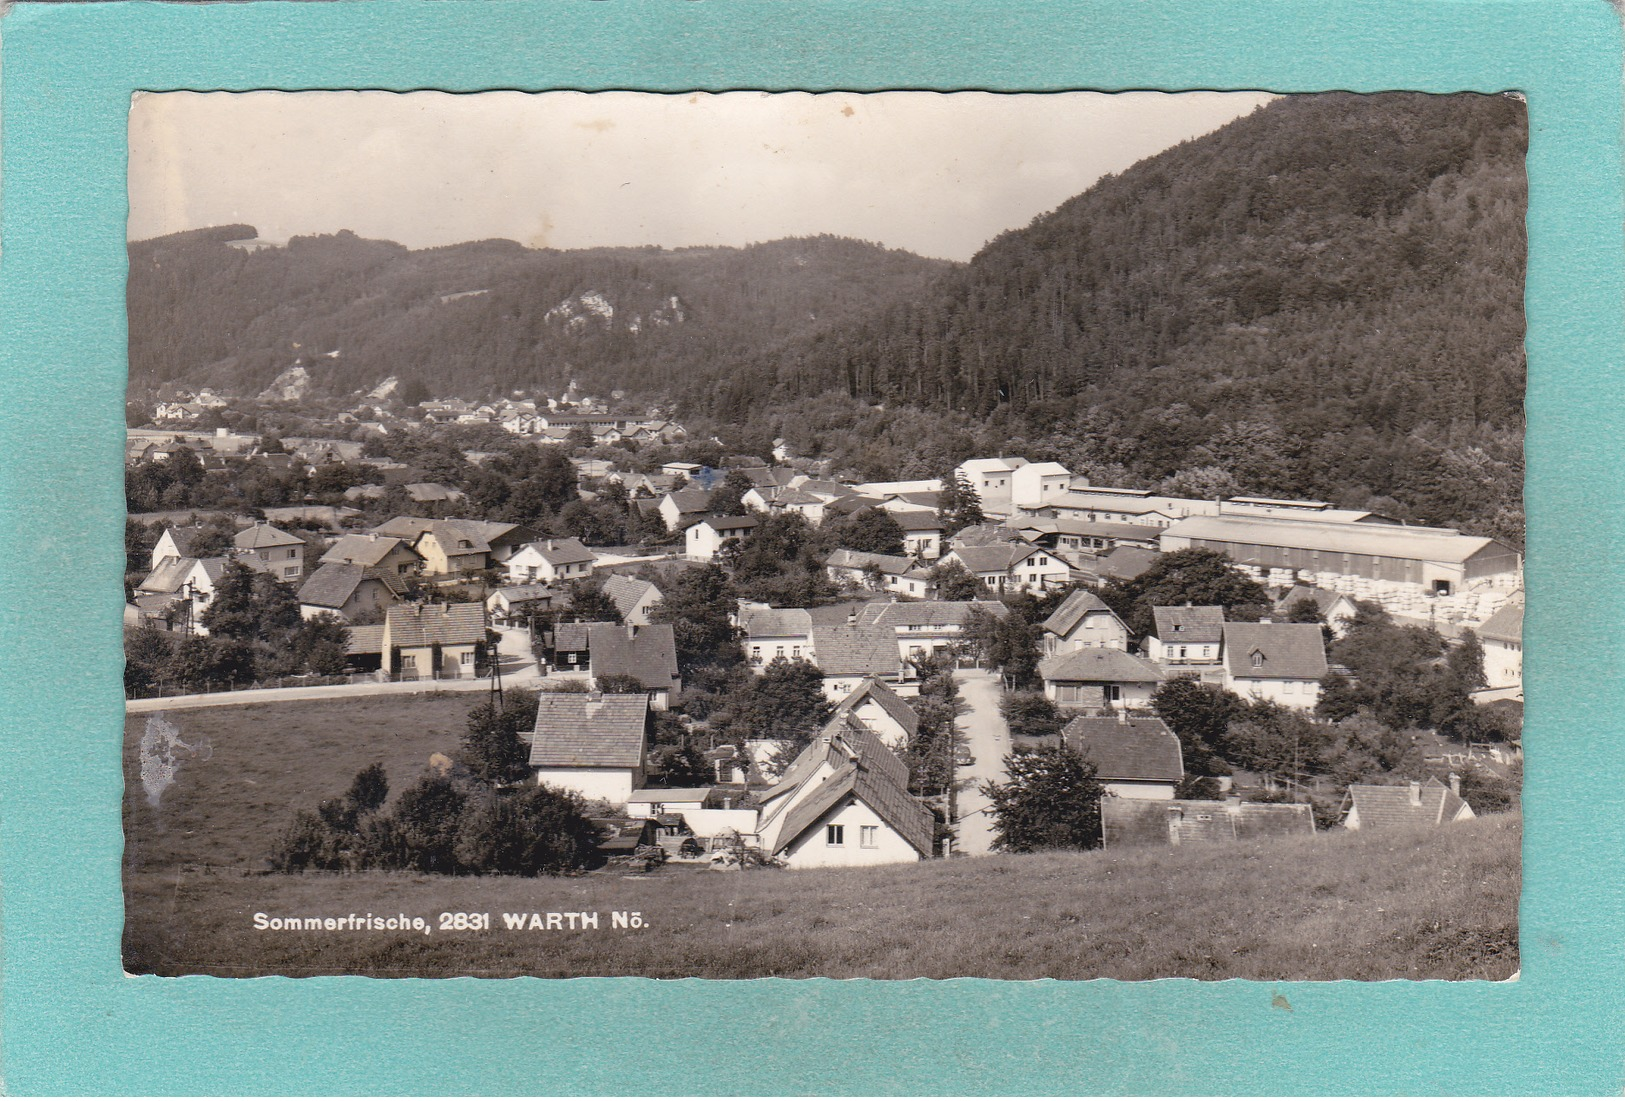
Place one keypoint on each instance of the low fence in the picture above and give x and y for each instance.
(207, 687)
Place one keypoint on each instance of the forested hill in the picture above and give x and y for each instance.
(1322, 299)
(482, 318)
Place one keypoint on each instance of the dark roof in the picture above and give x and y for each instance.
(626, 592)
(917, 520)
(183, 538)
(993, 557)
(335, 582)
(852, 502)
(562, 552)
(1157, 821)
(1099, 665)
(759, 622)
(426, 624)
(1505, 625)
(890, 702)
(581, 730)
(1382, 805)
(866, 650)
(1127, 749)
(1188, 623)
(926, 613)
(981, 535)
(857, 560)
(263, 535)
(690, 500)
(573, 637)
(1295, 651)
(366, 640)
(515, 594)
(363, 550)
(864, 769)
(1078, 604)
(649, 654)
(726, 523)
(168, 576)
(1125, 562)
(1323, 598)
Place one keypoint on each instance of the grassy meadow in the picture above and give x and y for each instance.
(1429, 904)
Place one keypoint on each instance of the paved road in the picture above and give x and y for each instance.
(988, 739)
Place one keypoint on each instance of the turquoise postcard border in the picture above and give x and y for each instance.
(72, 1022)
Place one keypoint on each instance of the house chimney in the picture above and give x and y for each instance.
(1416, 793)
(1455, 783)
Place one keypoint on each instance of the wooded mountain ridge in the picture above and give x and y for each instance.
(1322, 299)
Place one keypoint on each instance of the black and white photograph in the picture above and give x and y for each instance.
(847, 535)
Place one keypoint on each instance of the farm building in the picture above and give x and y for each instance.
(1359, 559)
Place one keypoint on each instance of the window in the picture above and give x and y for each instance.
(779, 653)
(756, 655)
(1112, 693)
(1182, 651)
(795, 651)
(1258, 659)
(835, 835)
(869, 837)
(290, 571)
(292, 553)
(465, 658)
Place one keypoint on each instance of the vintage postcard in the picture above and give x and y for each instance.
(698, 549)
(745, 535)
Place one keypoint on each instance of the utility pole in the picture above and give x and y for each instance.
(495, 658)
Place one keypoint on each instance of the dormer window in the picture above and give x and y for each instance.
(1258, 659)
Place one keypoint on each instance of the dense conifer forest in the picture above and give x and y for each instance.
(1322, 299)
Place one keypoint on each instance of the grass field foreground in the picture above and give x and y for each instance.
(1424, 904)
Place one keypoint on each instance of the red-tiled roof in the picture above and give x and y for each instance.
(577, 730)
(1127, 749)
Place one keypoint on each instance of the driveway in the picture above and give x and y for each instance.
(988, 739)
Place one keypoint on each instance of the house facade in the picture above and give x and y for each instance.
(348, 591)
(1083, 620)
(593, 744)
(432, 641)
(1502, 638)
(705, 537)
(1132, 758)
(1185, 635)
(272, 550)
(1099, 677)
(554, 561)
(1283, 663)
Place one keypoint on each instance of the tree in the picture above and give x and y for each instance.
(955, 582)
(320, 644)
(533, 831)
(1200, 716)
(698, 604)
(492, 748)
(1051, 801)
(786, 704)
(874, 530)
(958, 506)
(588, 604)
(421, 833)
(727, 499)
(232, 612)
(1031, 715)
(1193, 576)
(1009, 643)
(1277, 741)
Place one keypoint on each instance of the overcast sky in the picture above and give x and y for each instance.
(935, 174)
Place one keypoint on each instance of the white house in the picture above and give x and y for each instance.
(927, 627)
(1280, 662)
(774, 633)
(992, 481)
(552, 561)
(879, 572)
(592, 744)
(347, 591)
(844, 802)
(1502, 638)
(1134, 758)
(272, 550)
(882, 710)
(1013, 567)
(632, 597)
(176, 579)
(1336, 609)
(1185, 635)
(705, 537)
(1083, 619)
(680, 506)
(849, 655)
(922, 534)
